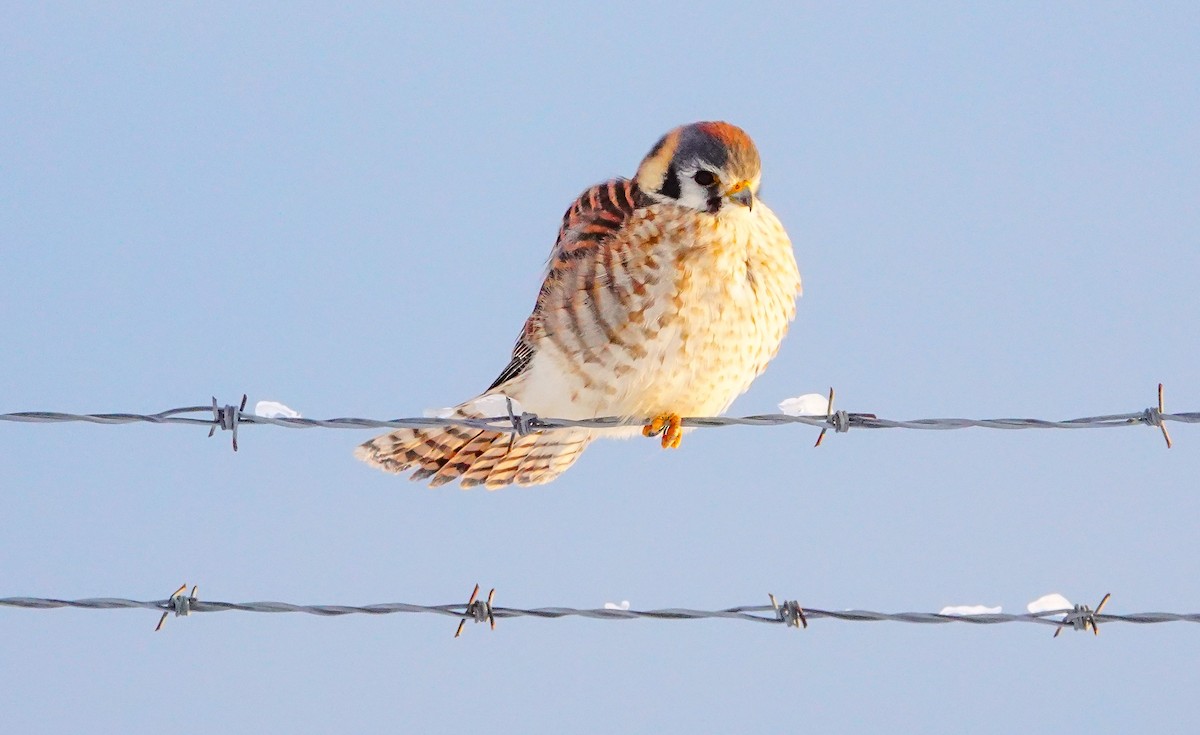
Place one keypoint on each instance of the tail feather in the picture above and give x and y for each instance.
(462, 461)
(552, 456)
(462, 442)
(490, 458)
(405, 449)
(478, 472)
(504, 471)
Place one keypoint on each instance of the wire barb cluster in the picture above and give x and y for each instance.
(479, 610)
(178, 603)
(229, 417)
(789, 613)
(1084, 618)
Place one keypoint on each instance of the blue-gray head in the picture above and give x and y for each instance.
(706, 166)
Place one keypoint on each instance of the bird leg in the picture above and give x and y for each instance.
(667, 424)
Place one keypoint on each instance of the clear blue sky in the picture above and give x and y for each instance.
(995, 212)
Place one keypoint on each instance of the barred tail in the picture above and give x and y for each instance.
(474, 457)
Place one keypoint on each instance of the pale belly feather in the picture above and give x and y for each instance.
(706, 328)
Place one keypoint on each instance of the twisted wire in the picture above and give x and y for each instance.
(230, 417)
(752, 613)
(841, 421)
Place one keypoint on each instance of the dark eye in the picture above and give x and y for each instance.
(704, 178)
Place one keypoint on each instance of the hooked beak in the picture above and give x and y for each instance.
(741, 194)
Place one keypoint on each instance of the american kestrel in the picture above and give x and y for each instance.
(666, 295)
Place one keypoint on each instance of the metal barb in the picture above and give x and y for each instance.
(178, 603)
(1083, 618)
(227, 418)
(789, 613)
(1158, 417)
(829, 418)
(522, 423)
(478, 610)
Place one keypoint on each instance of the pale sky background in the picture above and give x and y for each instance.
(995, 212)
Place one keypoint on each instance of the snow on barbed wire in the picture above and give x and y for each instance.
(275, 410)
(1047, 603)
(809, 404)
(970, 610)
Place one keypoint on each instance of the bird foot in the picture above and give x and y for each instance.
(669, 425)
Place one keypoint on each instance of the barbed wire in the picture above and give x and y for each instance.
(230, 417)
(789, 612)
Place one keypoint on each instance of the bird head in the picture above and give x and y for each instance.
(708, 166)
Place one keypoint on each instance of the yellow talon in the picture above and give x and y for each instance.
(669, 425)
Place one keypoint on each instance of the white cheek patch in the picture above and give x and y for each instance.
(693, 195)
